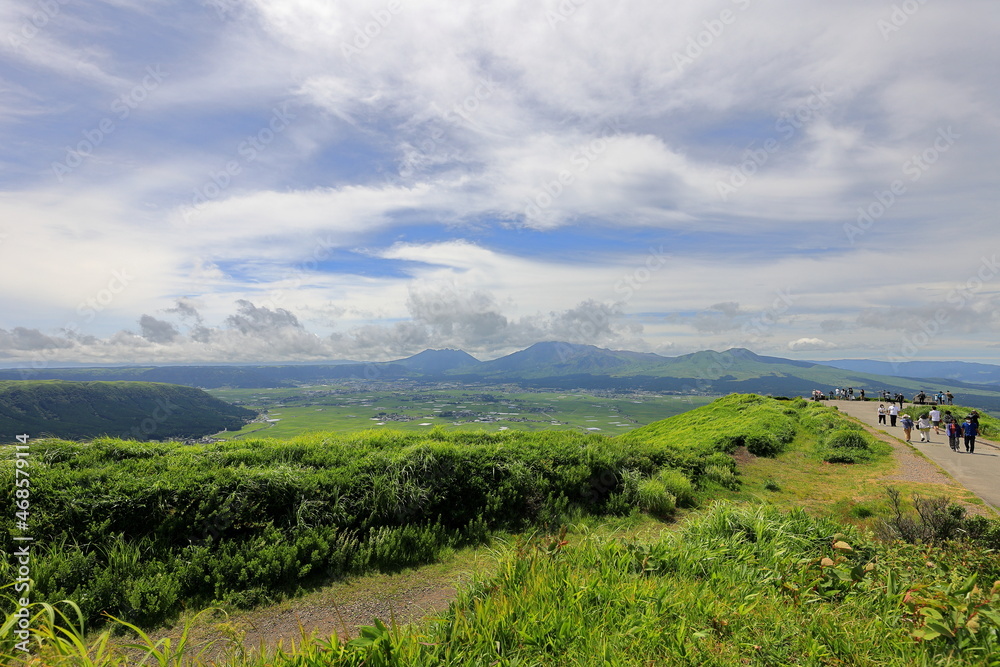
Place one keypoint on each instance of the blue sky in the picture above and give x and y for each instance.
(243, 180)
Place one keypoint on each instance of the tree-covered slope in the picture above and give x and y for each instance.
(136, 410)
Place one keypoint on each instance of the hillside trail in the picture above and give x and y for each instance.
(978, 472)
(425, 592)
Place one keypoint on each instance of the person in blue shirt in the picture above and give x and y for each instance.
(907, 423)
(970, 430)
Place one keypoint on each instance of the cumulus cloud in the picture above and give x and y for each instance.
(252, 320)
(807, 344)
(157, 331)
(22, 339)
(441, 315)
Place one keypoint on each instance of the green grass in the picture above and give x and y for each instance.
(780, 570)
(734, 586)
(143, 530)
(344, 410)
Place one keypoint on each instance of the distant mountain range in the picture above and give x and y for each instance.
(567, 365)
(962, 371)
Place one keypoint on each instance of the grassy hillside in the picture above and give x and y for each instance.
(246, 522)
(137, 410)
(164, 526)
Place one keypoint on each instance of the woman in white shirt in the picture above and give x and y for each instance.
(924, 426)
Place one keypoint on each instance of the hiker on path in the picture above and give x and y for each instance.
(970, 429)
(900, 398)
(893, 413)
(862, 394)
(954, 431)
(951, 397)
(936, 421)
(881, 413)
(924, 426)
(907, 423)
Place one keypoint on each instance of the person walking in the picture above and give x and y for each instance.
(954, 431)
(970, 430)
(907, 423)
(936, 421)
(881, 413)
(893, 414)
(950, 396)
(924, 426)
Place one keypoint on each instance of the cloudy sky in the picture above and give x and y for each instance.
(261, 180)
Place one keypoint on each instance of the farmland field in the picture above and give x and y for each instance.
(345, 408)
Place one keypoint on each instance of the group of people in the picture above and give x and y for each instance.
(967, 429)
(938, 399)
(846, 394)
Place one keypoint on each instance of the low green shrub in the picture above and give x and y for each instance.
(850, 444)
(655, 499)
(722, 476)
(678, 485)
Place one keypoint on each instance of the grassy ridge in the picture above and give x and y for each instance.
(143, 530)
(137, 410)
(737, 585)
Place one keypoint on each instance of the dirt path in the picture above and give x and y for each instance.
(342, 608)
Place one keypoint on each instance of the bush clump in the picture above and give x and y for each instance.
(655, 499)
(850, 444)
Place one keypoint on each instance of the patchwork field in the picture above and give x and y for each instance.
(292, 412)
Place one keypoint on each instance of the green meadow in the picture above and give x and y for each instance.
(293, 412)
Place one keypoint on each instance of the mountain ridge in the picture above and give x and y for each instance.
(561, 365)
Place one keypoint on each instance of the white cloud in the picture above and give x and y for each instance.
(809, 344)
(512, 124)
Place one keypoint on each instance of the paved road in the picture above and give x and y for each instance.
(978, 472)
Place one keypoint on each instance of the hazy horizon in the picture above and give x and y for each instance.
(232, 181)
